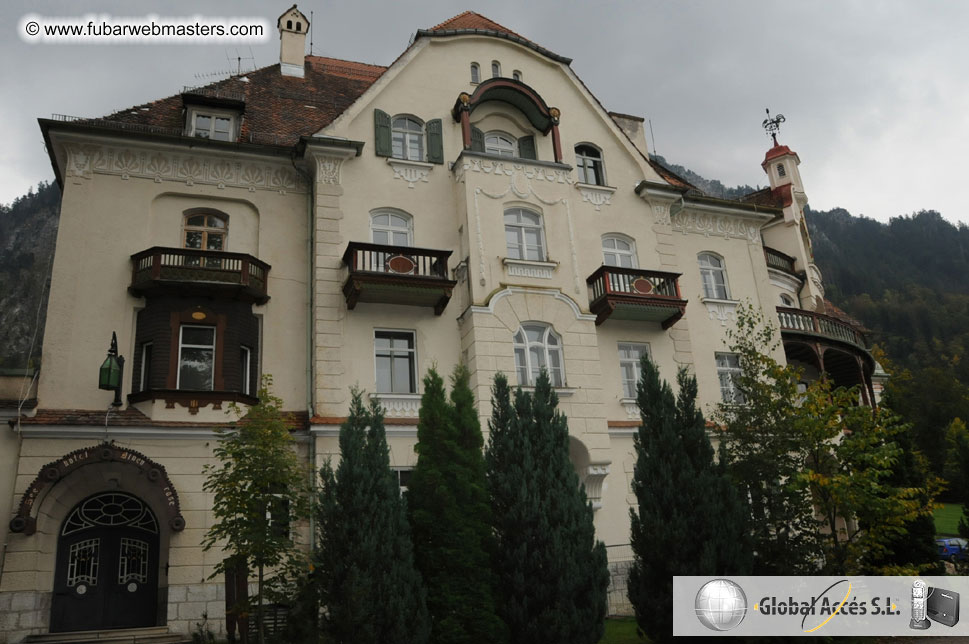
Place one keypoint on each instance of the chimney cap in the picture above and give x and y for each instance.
(292, 13)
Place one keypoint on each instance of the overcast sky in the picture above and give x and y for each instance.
(876, 93)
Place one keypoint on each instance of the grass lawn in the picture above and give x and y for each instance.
(947, 519)
(621, 630)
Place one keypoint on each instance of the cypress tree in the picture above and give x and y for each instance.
(450, 515)
(370, 588)
(551, 570)
(690, 519)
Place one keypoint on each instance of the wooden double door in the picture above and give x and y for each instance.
(106, 574)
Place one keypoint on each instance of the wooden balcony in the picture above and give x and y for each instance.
(397, 275)
(801, 322)
(189, 271)
(780, 261)
(634, 294)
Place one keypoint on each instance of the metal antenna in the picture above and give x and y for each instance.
(773, 125)
(311, 32)
(650, 121)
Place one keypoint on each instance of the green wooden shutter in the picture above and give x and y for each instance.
(435, 141)
(381, 134)
(526, 147)
(477, 140)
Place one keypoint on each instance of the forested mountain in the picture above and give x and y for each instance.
(28, 231)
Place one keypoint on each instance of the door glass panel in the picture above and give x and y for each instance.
(82, 563)
(133, 561)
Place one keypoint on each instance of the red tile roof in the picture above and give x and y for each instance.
(777, 151)
(278, 109)
(472, 20)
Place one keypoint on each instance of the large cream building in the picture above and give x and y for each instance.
(334, 223)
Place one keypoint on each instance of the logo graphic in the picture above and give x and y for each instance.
(721, 605)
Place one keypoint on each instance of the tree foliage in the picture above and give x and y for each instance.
(690, 518)
(819, 461)
(552, 573)
(369, 587)
(259, 490)
(450, 515)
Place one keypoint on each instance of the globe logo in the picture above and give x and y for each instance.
(721, 605)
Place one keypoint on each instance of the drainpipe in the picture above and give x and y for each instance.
(310, 300)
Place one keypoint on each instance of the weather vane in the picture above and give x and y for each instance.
(773, 125)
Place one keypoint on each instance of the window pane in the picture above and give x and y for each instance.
(193, 239)
(214, 241)
(197, 220)
(202, 125)
(400, 239)
(520, 366)
(198, 335)
(383, 374)
(381, 220)
(381, 342)
(221, 132)
(534, 334)
(380, 237)
(511, 239)
(214, 222)
(397, 142)
(195, 369)
(403, 383)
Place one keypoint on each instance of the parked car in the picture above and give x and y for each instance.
(952, 548)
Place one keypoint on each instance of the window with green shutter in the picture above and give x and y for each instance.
(526, 148)
(382, 137)
(435, 141)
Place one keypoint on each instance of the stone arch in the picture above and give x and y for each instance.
(139, 470)
(591, 473)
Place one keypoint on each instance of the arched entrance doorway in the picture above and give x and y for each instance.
(106, 571)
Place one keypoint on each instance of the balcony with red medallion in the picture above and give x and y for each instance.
(380, 273)
(620, 293)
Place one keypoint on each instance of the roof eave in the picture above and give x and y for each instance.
(440, 33)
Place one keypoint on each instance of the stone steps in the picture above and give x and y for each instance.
(152, 635)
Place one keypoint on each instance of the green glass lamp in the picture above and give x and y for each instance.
(112, 371)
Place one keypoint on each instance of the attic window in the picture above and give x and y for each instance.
(495, 69)
(781, 172)
(207, 123)
(289, 24)
(517, 75)
(299, 27)
(475, 73)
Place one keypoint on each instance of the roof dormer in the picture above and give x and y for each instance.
(292, 26)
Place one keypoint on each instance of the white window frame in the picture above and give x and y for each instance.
(791, 304)
(629, 386)
(728, 372)
(182, 345)
(518, 228)
(475, 73)
(517, 75)
(708, 276)
(619, 253)
(391, 229)
(408, 136)
(411, 354)
(246, 369)
(146, 349)
(550, 351)
(495, 69)
(212, 114)
(398, 471)
(501, 144)
(586, 164)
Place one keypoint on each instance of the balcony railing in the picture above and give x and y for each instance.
(801, 321)
(188, 270)
(634, 294)
(397, 275)
(780, 261)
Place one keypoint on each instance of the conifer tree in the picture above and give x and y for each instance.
(370, 589)
(690, 520)
(551, 570)
(450, 515)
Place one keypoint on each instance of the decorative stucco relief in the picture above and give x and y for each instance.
(85, 160)
(410, 171)
(598, 196)
(711, 225)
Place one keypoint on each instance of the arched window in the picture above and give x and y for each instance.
(787, 300)
(517, 75)
(619, 250)
(588, 163)
(475, 73)
(714, 276)
(501, 144)
(391, 228)
(537, 346)
(524, 234)
(495, 69)
(289, 24)
(781, 172)
(407, 138)
(203, 231)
